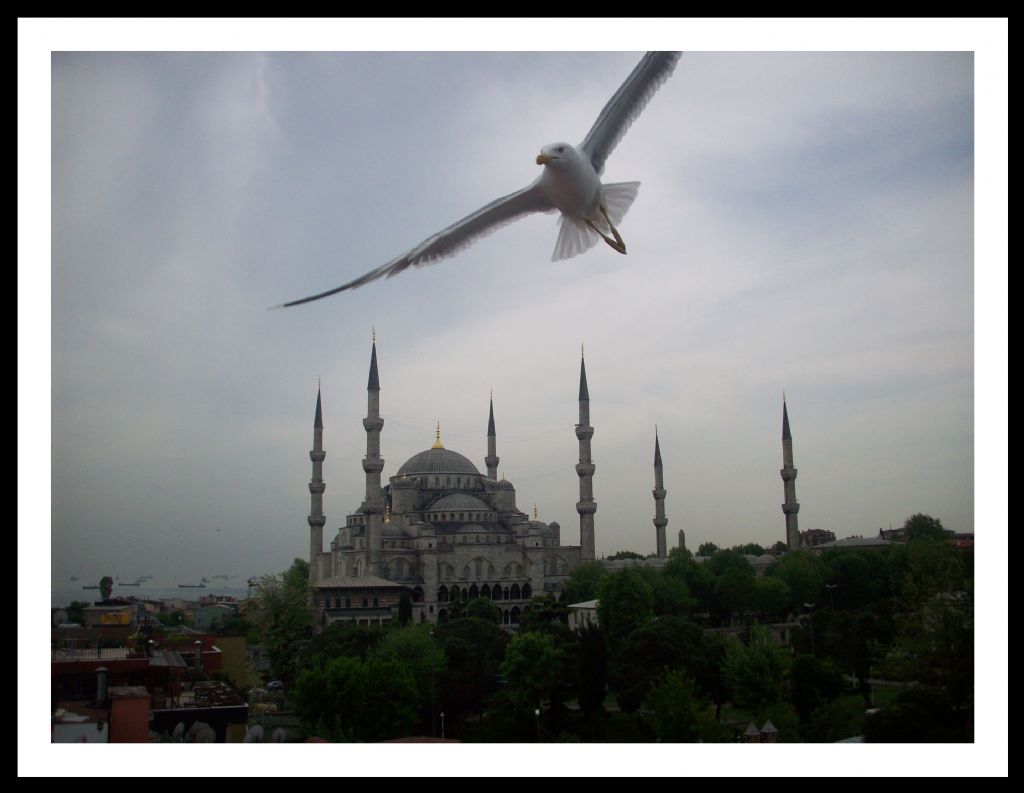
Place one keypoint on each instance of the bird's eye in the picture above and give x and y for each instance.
(560, 149)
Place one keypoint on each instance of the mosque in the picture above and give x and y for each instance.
(440, 531)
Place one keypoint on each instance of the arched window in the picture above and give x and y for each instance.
(474, 592)
(485, 591)
(527, 592)
(496, 592)
(514, 616)
(417, 594)
(504, 616)
(515, 592)
(442, 594)
(454, 594)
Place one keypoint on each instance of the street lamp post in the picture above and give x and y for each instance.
(536, 713)
(442, 725)
(831, 598)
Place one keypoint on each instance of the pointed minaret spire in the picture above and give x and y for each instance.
(373, 464)
(373, 384)
(659, 493)
(437, 438)
(584, 392)
(492, 459)
(788, 473)
(316, 517)
(586, 506)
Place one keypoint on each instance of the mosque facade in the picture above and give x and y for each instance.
(439, 530)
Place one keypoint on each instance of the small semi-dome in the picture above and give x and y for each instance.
(459, 501)
(438, 461)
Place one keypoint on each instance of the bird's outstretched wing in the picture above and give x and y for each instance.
(451, 240)
(623, 108)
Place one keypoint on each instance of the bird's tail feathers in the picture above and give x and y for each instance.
(618, 198)
(574, 237)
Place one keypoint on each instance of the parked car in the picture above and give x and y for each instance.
(275, 685)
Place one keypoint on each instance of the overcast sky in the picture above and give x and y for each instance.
(805, 223)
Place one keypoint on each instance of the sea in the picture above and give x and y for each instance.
(63, 597)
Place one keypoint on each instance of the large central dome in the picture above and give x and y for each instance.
(438, 461)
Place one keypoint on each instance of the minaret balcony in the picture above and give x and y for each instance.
(790, 509)
(317, 520)
(373, 465)
(659, 494)
(585, 469)
(787, 474)
(584, 432)
(317, 456)
(586, 507)
(317, 488)
(373, 424)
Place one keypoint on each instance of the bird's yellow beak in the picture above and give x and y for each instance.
(544, 159)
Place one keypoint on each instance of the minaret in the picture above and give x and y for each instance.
(373, 505)
(585, 470)
(788, 473)
(659, 492)
(492, 459)
(316, 493)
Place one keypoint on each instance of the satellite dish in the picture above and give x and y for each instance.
(200, 732)
(178, 731)
(254, 734)
(278, 735)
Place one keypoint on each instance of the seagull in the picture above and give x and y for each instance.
(570, 183)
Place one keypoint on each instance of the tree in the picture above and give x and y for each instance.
(678, 711)
(106, 587)
(721, 561)
(414, 649)
(805, 575)
(531, 669)
(699, 580)
(772, 596)
(749, 549)
(343, 639)
(644, 655)
(474, 649)
(76, 612)
(350, 699)
(735, 595)
(625, 555)
(919, 715)
(755, 672)
(923, 527)
(593, 669)
(584, 583)
(671, 595)
(812, 684)
(280, 609)
(706, 549)
(626, 603)
(404, 609)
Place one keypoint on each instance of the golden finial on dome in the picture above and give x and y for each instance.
(437, 439)
(387, 514)
(535, 510)
(373, 333)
